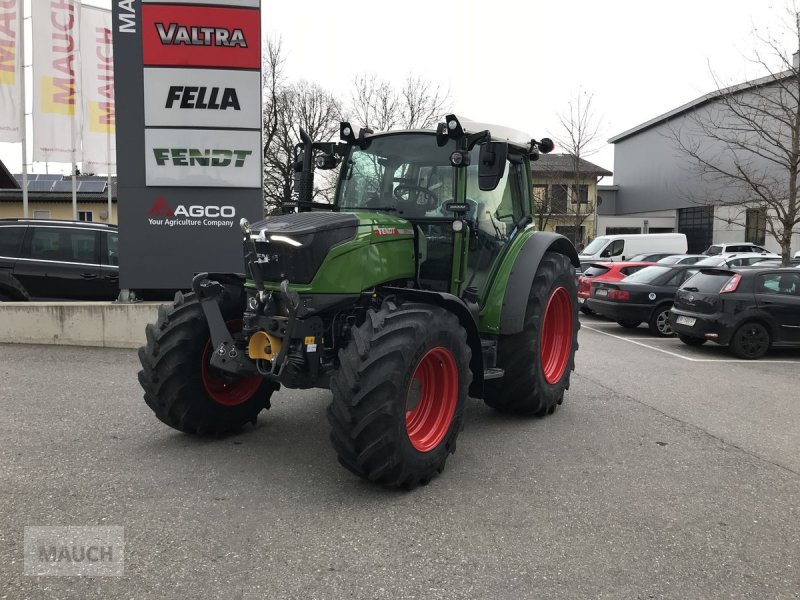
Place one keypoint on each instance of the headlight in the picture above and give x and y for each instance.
(252, 303)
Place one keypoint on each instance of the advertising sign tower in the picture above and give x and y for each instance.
(189, 150)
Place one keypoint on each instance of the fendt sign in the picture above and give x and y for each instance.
(188, 76)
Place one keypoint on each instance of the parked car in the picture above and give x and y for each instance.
(735, 260)
(646, 296)
(69, 260)
(681, 259)
(750, 310)
(735, 248)
(621, 247)
(604, 271)
(649, 257)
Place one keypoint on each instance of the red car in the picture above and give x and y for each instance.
(604, 271)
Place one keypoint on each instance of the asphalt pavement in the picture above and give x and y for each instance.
(669, 472)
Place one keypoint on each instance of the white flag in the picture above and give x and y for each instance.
(11, 74)
(56, 81)
(97, 90)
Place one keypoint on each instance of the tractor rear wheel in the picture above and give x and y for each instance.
(538, 361)
(399, 394)
(181, 388)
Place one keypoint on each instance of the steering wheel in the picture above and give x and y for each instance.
(430, 200)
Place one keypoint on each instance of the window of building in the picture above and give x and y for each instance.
(41, 214)
(622, 230)
(697, 223)
(755, 226)
(559, 197)
(569, 232)
(85, 215)
(579, 193)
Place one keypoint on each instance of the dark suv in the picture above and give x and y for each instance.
(748, 309)
(69, 260)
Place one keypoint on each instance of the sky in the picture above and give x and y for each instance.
(519, 63)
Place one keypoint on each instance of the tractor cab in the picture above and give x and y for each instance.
(460, 228)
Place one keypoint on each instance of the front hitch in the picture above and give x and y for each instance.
(226, 356)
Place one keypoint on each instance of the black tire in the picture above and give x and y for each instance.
(692, 341)
(586, 310)
(750, 341)
(659, 321)
(629, 324)
(524, 388)
(172, 375)
(371, 389)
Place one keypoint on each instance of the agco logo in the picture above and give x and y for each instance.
(161, 213)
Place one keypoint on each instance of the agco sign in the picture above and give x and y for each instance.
(193, 215)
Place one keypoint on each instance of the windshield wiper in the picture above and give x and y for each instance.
(369, 208)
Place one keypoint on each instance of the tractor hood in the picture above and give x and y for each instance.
(332, 252)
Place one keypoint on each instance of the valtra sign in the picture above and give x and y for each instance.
(190, 36)
(189, 147)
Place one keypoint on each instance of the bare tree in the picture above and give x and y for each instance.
(377, 104)
(744, 144)
(579, 138)
(287, 108)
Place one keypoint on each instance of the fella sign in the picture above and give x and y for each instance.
(188, 76)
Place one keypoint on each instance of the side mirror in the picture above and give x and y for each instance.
(491, 164)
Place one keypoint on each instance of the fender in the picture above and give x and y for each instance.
(10, 286)
(458, 307)
(514, 278)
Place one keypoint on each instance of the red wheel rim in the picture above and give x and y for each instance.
(227, 392)
(434, 387)
(555, 342)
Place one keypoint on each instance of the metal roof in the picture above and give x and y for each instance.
(706, 99)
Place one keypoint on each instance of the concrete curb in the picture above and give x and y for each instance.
(103, 324)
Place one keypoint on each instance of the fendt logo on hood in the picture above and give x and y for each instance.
(173, 34)
(162, 214)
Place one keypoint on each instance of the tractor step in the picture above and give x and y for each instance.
(493, 374)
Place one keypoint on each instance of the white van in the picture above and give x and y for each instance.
(623, 246)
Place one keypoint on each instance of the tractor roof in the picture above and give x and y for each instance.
(514, 137)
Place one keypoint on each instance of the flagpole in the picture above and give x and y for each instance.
(23, 124)
(108, 167)
(76, 106)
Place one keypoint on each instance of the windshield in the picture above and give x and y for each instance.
(595, 246)
(647, 275)
(404, 173)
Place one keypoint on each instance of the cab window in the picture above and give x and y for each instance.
(615, 248)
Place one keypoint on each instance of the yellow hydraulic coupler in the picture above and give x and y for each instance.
(263, 346)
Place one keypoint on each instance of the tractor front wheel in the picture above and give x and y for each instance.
(538, 361)
(180, 386)
(399, 394)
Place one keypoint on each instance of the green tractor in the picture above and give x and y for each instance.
(423, 283)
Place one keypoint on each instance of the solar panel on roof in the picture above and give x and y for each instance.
(49, 177)
(39, 186)
(92, 187)
(62, 186)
